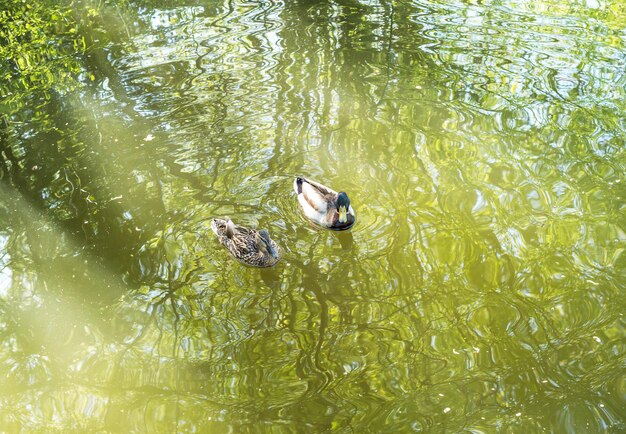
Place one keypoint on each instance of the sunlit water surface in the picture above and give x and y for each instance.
(482, 289)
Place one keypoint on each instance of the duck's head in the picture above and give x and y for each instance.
(343, 205)
(265, 244)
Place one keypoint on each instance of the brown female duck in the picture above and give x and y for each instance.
(249, 246)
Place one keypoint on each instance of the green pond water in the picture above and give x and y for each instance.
(482, 144)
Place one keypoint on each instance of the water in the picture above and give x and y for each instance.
(481, 290)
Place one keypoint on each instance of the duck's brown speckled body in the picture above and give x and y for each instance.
(249, 246)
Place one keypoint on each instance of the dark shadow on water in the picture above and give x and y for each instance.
(345, 238)
(271, 276)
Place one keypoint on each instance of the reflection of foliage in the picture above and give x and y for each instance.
(489, 290)
(39, 42)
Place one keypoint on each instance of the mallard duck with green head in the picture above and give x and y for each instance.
(323, 205)
(248, 246)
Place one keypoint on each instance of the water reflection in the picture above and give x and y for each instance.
(481, 288)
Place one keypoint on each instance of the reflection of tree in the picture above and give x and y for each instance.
(413, 313)
(38, 44)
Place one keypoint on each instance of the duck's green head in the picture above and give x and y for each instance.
(265, 244)
(343, 205)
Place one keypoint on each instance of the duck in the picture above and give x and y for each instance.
(248, 246)
(323, 205)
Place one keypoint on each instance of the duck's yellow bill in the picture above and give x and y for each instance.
(343, 214)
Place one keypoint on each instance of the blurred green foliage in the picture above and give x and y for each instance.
(41, 44)
(481, 291)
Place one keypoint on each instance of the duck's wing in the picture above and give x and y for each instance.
(322, 189)
(313, 194)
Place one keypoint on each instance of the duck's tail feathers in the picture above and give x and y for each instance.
(216, 225)
(297, 184)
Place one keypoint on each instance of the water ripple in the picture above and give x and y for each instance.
(480, 290)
